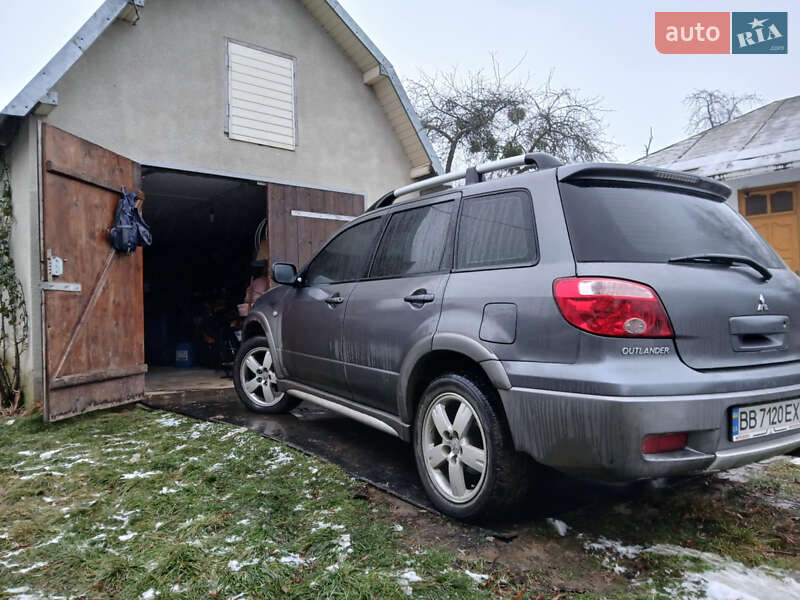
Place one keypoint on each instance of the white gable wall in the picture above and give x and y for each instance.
(157, 92)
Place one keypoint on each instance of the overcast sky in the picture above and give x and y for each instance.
(605, 49)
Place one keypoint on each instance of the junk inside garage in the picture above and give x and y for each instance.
(206, 266)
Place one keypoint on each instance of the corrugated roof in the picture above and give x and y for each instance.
(763, 140)
(331, 16)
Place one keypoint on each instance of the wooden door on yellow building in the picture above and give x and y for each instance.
(775, 214)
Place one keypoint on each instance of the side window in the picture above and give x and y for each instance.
(345, 257)
(496, 230)
(414, 242)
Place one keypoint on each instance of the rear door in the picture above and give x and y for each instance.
(400, 303)
(93, 312)
(723, 316)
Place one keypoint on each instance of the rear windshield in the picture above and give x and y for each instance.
(617, 224)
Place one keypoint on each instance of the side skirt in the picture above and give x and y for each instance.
(378, 419)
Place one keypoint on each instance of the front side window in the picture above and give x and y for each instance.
(345, 257)
(415, 242)
(495, 231)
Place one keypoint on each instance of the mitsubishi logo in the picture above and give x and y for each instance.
(762, 304)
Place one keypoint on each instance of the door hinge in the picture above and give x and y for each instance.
(61, 286)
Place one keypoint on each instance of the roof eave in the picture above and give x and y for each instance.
(387, 70)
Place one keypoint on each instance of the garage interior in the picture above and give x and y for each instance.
(207, 233)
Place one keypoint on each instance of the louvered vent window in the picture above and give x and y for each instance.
(261, 106)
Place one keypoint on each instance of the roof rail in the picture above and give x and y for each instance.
(475, 174)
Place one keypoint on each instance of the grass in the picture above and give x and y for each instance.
(731, 520)
(139, 505)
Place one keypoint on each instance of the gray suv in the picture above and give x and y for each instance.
(608, 320)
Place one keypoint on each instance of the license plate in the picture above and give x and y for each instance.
(749, 422)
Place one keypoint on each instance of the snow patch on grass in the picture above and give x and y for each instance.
(724, 579)
(55, 540)
(170, 421)
(50, 453)
(406, 578)
(233, 432)
(476, 577)
(33, 567)
(292, 559)
(140, 474)
(320, 525)
(236, 566)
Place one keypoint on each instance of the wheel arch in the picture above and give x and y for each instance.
(256, 324)
(441, 354)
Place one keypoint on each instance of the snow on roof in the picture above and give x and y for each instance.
(765, 139)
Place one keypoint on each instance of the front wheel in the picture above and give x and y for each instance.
(464, 454)
(255, 380)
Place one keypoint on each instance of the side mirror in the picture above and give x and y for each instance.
(284, 273)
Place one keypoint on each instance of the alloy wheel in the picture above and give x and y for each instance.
(258, 378)
(454, 447)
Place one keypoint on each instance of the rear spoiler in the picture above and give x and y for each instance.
(608, 173)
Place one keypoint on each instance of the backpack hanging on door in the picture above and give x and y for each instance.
(130, 230)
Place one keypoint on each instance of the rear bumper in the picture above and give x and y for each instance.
(601, 435)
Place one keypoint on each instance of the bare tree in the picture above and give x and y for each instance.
(709, 108)
(649, 143)
(488, 116)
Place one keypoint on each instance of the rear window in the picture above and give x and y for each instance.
(616, 224)
(495, 231)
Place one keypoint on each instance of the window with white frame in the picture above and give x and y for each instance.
(261, 103)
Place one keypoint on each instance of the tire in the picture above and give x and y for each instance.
(475, 495)
(255, 381)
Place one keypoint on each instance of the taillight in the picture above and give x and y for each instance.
(664, 442)
(612, 307)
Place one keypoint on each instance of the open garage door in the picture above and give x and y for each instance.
(93, 314)
(300, 220)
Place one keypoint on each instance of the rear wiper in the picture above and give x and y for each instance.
(725, 259)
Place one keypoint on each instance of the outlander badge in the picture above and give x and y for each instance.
(762, 304)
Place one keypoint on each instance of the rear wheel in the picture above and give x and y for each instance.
(464, 455)
(255, 380)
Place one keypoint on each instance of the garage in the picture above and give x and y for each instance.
(166, 318)
(245, 135)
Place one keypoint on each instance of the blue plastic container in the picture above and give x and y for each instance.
(184, 354)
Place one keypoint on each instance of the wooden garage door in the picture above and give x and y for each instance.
(775, 214)
(94, 319)
(300, 220)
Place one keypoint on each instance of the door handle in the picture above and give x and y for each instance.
(335, 299)
(419, 297)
